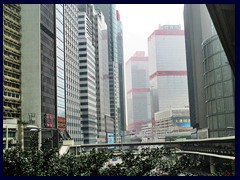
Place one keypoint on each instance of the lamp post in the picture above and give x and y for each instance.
(38, 130)
(6, 137)
(35, 129)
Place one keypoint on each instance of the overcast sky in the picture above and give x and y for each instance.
(140, 20)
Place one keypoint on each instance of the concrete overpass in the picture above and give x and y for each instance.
(223, 147)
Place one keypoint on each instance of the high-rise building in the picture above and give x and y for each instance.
(60, 67)
(72, 72)
(138, 92)
(198, 27)
(11, 61)
(43, 69)
(210, 79)
(102, 81)
(122, 118)
(167, 68)
(88, 105)
(109, 12)
(219, 85)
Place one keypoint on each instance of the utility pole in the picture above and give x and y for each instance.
(6, 137)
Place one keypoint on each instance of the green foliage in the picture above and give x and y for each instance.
(148, 162)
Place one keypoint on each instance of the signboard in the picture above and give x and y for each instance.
(49, 120)
(110, 139)
(182, 121)
(61, 123)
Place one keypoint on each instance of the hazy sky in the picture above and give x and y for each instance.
(140, 20)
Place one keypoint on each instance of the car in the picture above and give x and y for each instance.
(114, 159)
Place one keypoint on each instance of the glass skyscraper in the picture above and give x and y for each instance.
(109, 12)
(219, 88)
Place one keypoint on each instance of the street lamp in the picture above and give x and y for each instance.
(33, 128)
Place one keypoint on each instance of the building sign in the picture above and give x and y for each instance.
(49, 120)
(110, 138)
(182, 121)
(61, 123)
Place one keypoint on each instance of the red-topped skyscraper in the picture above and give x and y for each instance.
(137, 88)
(167, 68)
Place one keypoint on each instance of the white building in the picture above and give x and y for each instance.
(170, 121)
(167, 68)
(87, 73)
(72, 72)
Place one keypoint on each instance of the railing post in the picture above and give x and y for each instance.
(212, 165)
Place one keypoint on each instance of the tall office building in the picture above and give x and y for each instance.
(43, 68)
(219, 85)
(198, 27)
(122, 118)
(88, 105)
(211, 82)
(11, 61)
(72, 73)
(138, 92)
(105, 124)
(167, 68)
(109, 12)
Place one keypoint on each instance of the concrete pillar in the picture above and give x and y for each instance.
(212, 165)
(22, 136)
(6, 137)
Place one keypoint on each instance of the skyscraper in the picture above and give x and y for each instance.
(72, 72)
(122, 118)
(138, 92)
(198, 27)
(219, 85)
(11, 61)
(43, 67)
(87, 57)
(109, 12)
(102, 80)
(210, 79)
(167, 68)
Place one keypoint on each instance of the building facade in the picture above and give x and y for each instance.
(88, 106)
(102, 81)
(219, 86)
(122, 115)
(171, 121)
(12, 61)
(109, 12)
(198, 27)
(138, 92)
(72, 73)
(43, 69)
(167, 68)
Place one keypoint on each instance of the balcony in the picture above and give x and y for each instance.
(11, 99)
(11, 79)
(12, 21)
(12, 12)
(17, 6)
(11, 40)
(11, 60)
(12, 31)
(12, 89)
(11, 70)
(12, 50)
